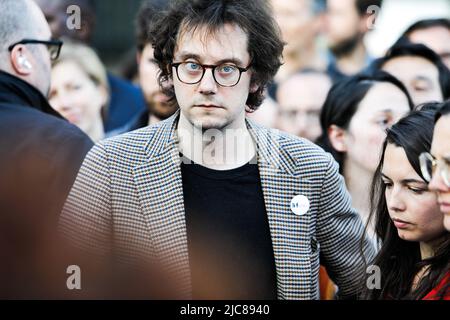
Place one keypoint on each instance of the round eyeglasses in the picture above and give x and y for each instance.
(225, 75)
(429, 165)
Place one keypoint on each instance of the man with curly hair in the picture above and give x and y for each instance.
(156, 102)
(229, 209)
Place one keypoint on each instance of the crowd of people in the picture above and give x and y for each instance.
(243, 159)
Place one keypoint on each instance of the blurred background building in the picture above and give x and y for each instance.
(397, 15)
(114, 36)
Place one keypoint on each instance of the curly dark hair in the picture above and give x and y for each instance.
(265, 45)
(146, 15)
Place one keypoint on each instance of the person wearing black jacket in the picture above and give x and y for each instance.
(40, 155)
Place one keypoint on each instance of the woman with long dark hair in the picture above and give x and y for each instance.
(354, 120)
(415, 247)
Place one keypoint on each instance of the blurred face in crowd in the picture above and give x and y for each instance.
(300, 100)
(383, 105)
(344, 27)
(76, 96)
(296, 17)
(148, 79)
(436, 38)
(412, 207)
(55, 15)
(440, 149)
(55, 12)
(207, 104)
(419, 75)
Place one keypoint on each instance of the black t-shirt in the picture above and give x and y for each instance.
(230, 248)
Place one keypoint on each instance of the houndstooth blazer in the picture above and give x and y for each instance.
(129, 189)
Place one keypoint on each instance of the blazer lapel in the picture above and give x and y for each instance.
(160, 190)
(289, 232)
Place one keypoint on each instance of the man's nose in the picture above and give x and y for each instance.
(208, 85)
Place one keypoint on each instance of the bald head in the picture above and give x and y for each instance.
(19, 20)
(300, 100)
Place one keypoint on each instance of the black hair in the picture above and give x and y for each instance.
(362, 6)
(405, 48)
(265, 44)
(426, 24)
(398, 260)
(342, 103)
(444, 110)
(147, 14)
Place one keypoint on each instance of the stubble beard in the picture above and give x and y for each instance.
(346, 46)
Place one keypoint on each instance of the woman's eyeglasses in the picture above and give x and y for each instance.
(430, 166)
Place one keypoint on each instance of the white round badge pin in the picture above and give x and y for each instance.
(300, 205)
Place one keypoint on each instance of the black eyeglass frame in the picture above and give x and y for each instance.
(213, 67)
(48, 43)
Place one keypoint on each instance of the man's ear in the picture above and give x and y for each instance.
(368, 20)
(20, 62)
(337, 137)
(138, 57)
(254, 87)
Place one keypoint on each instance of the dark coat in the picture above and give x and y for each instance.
(138, 122)
(40, 155)
(126, 102)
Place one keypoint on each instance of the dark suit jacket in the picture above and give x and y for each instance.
(40, 155)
